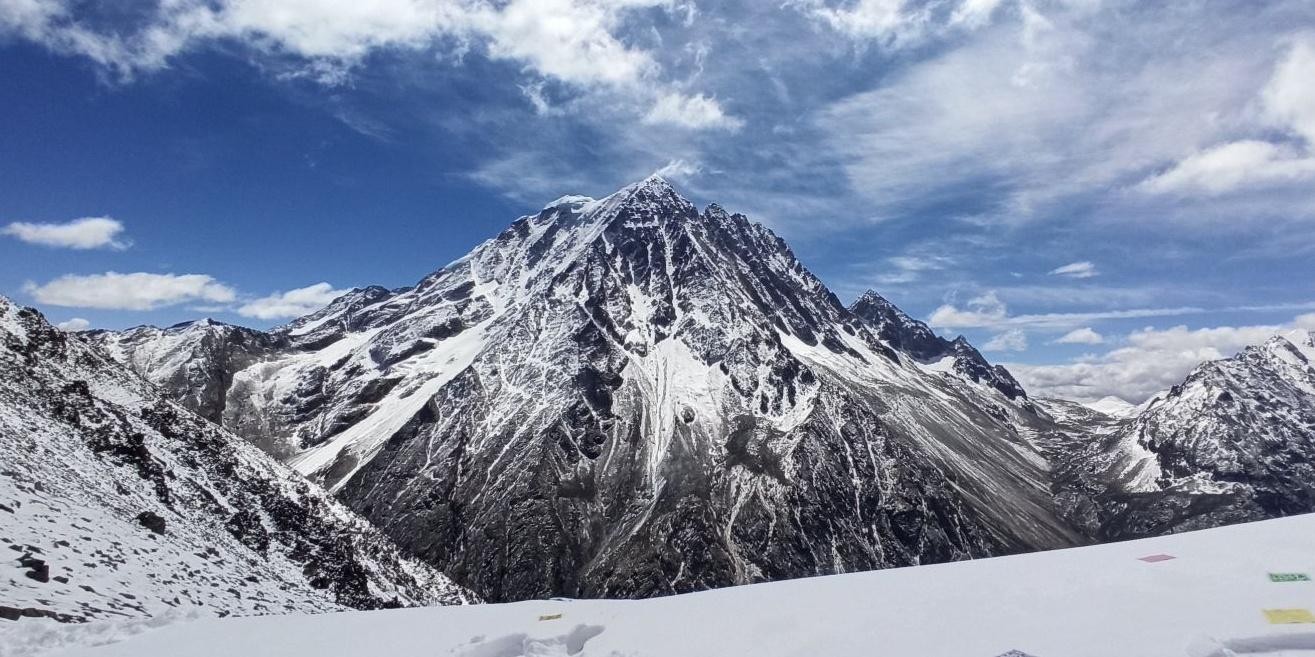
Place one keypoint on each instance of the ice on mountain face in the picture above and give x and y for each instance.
(117, 503)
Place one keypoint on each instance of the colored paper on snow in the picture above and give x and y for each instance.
(1289, 616)
(1157, 557)
(550, 617)
(1289, 577)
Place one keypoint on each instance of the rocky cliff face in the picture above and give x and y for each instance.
(117, 502)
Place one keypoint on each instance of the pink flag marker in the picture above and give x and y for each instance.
(1156, 557)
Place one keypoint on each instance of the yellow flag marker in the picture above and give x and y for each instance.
(1289, 616)
(556, 616)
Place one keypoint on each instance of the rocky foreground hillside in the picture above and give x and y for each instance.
(117, 502)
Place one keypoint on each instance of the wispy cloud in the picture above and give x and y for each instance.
(989, 311)
(1082, 269)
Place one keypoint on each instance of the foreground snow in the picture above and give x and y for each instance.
(1097, 601)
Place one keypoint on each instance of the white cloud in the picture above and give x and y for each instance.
(74, 325)
(1054, 102)
(984, 310)
(974, 13)
(1151, 361)
(989, 311)
(293, 303)
(1082, 269)
(1011, 340)
(1289, 98)
(1306, 321)
(85, 233)
(136, 291)
(679, 169)
(1226, 168)
(1287, 101)
(696, 112)
(891, 21)
(572, 41)
(1084, 335)
(898, 23)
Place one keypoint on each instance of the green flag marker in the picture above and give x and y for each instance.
(1289, 577)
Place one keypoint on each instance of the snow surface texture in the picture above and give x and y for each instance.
(1098, 601)
(116, 503)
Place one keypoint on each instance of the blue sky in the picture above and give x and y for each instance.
(1097, 192)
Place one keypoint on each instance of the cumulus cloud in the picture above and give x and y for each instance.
(135, 291)
(1082, 269)
(1152, 360)
(85, 233)
(1084, 335)
(293, 303)
(1011, 340)
(74, 325)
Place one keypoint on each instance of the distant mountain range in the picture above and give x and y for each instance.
(630, 396)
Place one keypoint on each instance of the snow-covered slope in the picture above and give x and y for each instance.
(1209, 600)
(628, 397)
(115, 502)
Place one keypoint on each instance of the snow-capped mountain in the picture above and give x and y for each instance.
(1235, 441)
(915, 339)
(194, 360)
(1244, 424)
(117, 502)
(628, 397)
